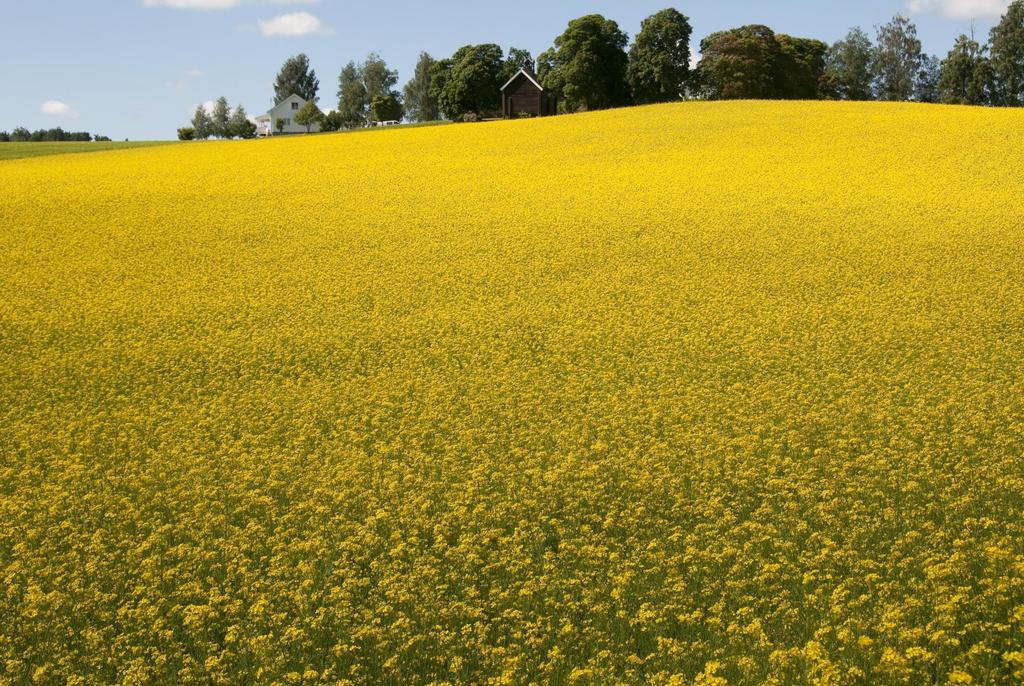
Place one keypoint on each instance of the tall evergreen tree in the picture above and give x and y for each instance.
(659, 59)
(420, 105)
(848, 67)
(587, 65)
(296, 78)
(896, 60)
(1007, 54)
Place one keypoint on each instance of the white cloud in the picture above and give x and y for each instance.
(207, 105)
(57, 108)
(960, 9)
(185, 79)
(192, 4)
(219, 4)
(294, 24)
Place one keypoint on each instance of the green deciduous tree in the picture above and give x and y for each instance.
(659, 59)
(202, 125)
(1007, 55)
(219, 118)
(848, 66)
(240, 125)
(359, 85)
(296, 77)
(352, 98)
(966, 76)
(739, 63)
(386, 108)
(308, 115)
(517, 59)
(896, 60)
(186, 133)
(377, 78)
(926, 83)
(468, 82)
(332, 121)
(586, 68)
(755, 62)
(420, 105)
(800, 68)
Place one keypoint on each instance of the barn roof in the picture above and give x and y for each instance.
(525, 73)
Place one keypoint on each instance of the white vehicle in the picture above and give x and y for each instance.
(390, 122)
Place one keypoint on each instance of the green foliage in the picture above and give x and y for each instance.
(352, 98)
(1007, 41)
(358, 85)
(848, 66)
(517, 59)
(753, 62)
(56, 135)
(279, 124)
(202, 125)
(377, 78)
(659, 60)
(800, 68)
(296, 78)
(186, 133)
(586, 68)
(926, 85)
(387, 108)
(240, 125)
(420, 105)
(332, 121)
(897, 60)
(739, 64)
(219, 118)
(966, 76)
(309, 115)
(469, 82)
(5, 137)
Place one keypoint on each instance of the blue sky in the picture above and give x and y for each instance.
(135, 68)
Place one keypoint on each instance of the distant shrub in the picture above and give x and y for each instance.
(186, 133)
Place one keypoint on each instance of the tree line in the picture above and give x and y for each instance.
(57, 135)
(220, 122)
(592, 65)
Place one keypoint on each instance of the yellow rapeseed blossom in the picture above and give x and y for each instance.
(705, 393)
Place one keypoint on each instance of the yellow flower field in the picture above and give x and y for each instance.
(707, 393)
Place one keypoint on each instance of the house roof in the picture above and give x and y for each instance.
(527, 75)
(302, 101)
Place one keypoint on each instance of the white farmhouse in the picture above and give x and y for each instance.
(266, 124)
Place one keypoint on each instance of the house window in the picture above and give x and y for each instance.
(287, 122)
(295, 105)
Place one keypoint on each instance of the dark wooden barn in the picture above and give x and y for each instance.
(523, 96)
